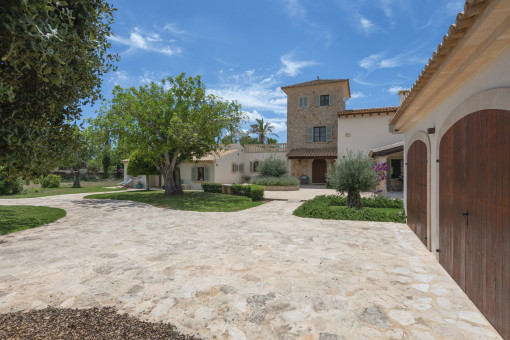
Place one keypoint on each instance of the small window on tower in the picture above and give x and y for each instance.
(325, 100)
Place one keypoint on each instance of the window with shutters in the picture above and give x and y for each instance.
(319, 134)
(200, 174)
(303, 101)
(325, 100)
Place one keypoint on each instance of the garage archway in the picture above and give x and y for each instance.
(474, 211)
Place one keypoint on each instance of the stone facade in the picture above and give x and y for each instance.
(299, 118)
(299, 167)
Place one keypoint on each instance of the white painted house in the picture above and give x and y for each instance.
(456, 127)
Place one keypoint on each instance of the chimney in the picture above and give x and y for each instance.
(403, 95)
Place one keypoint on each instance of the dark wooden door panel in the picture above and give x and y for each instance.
(417, 189)
(319, 169)
(474, 178)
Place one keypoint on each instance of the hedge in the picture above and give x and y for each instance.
(50, 181)
(369, 202)
(276, 181)
(212, 187)
(256, 192)
(335, 208)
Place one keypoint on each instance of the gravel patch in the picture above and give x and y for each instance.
(94, 323)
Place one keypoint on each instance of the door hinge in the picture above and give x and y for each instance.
(437, 160)
(437, 250)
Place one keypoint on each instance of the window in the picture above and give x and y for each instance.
(200, 174)
(319, 133)
(256, 166)
(325, 100)
(303, 101)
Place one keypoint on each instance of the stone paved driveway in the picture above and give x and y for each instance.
(256, 274)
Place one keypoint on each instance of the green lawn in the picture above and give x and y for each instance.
(19, 217)
(192, 201)
(65, 188)
(335, 208)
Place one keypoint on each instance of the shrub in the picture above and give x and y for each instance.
(256, 192)
(246, 179)
(9, 185)
(212, 187)
(50, 181)
(240, 190)
(272, 166)
(334, 207)
(276, 181)
(353, 173)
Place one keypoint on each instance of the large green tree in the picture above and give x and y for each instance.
(53, 55)
(171, 122)
(262, 130)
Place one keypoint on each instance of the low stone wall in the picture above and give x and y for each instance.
(281, 188)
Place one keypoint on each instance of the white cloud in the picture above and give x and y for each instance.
(356, 95)
(119, 77)
(173, 29)
(140, 40)
(395, 89)
(295, 9)
(366, 25)
(377, 61)
(293, 67)
(279, 124)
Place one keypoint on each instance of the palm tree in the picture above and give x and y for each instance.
(262, 130)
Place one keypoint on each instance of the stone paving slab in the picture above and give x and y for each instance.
(255, 274)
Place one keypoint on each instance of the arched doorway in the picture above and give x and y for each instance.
(417, 189)
(319, 169)
(474, 210)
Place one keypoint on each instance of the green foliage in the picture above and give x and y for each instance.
(271, 141)
(240, 190)
(256, 192)
(334, 208)
(353, 173)
(262, 130)
(50, 181)
(171, 122)
(54, 55)
(9, 185)
(93, 165)
(272, 166)
(190, 201)
(212, 187)
(20, 217)
(369, 202)
(276, 181)
(140, 164)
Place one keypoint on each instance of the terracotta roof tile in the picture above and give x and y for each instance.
(316, 82)
(389, 109)
(329, 152)
(213, 156)
(464, 21)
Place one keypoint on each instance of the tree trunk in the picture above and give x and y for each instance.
(76, 176)
(172, 179)
(354, 200)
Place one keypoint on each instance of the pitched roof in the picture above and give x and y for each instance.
(456, 32)
(297, 153)
(213, 156)
(370, 111)
(387, 149)
(316, 82)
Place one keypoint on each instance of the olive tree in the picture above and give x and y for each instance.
(352, 173)
(53, 55)
(171, 121)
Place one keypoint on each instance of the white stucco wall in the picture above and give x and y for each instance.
(488, 89)
(223, 168)
(366, 133)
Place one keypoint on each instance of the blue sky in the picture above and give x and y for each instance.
(247, 50)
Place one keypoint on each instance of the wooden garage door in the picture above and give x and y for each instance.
(417, 189)
(474, 211)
